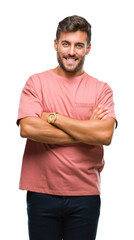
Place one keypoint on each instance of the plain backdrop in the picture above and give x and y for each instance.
(27, 31)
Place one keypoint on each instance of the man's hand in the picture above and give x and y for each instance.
(39, 130)
(67, 130)
(95, 131)
(99, 113)
(44, 116)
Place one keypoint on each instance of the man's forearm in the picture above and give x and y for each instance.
(95, 132)
(41, 131)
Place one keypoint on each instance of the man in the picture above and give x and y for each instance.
(67, 116)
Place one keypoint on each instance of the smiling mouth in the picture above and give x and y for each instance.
(71, 60)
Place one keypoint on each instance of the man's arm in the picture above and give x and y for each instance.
(39, 130)
(95, 132)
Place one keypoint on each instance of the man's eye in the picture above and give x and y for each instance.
(65, 44)
(79, 45)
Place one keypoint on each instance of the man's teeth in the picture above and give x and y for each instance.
(70, 60)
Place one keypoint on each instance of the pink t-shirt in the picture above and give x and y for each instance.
(72, 169)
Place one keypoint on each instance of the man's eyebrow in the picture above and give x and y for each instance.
(81, 43)
(65, 41)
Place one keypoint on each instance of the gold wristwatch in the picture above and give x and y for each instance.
(52, 118)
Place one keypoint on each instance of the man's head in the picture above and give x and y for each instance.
(72, 43)
(73, 24)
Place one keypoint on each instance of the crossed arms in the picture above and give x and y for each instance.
(66, 130)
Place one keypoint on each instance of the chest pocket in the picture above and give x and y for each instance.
(83, 111)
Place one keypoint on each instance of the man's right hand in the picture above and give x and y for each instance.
(99, 113)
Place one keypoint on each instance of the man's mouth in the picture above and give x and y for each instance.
(71, 60)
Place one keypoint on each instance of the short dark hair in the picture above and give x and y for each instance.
(73, 24)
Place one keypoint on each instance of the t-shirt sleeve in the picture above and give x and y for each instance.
(30, 101)
(105, 99)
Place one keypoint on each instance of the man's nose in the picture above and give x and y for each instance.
(71, 50)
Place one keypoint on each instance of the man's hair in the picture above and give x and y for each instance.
(73, 24)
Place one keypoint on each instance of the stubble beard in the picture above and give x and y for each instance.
(77, 68)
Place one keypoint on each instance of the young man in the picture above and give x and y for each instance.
(67, 116)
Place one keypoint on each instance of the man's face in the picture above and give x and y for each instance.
(71, 50)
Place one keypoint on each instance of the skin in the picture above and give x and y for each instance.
(72, 49)
(72, 46)
(41, 131)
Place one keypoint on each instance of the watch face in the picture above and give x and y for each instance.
(51, 118)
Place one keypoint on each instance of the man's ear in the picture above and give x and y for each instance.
(88, 48)
(55, 44)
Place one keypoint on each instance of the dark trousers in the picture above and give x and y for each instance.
(53, 217)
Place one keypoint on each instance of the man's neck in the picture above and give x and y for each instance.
(59, 71)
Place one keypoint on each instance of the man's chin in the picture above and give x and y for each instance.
(71, 69)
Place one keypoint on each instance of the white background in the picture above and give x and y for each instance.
(27, 32)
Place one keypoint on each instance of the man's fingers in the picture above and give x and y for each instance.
(102, 114)
(99, 113)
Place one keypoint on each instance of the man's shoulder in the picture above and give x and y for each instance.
(37, 79)
(40, 75)
(97, 84)
(95, 80)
